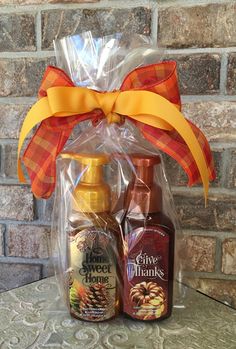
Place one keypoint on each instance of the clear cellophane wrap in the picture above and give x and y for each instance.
(91, 247)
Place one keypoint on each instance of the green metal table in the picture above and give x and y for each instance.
(33, 317)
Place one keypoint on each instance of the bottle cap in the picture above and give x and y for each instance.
(88, 158)
(141, 160)
(144, 196)
(92, 194)
(144, 167)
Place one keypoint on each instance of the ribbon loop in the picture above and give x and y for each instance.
(154, 108)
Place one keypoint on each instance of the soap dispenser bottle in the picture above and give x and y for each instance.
(94, 244)
(149, 239)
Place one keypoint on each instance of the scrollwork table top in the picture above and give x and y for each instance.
(32, 317)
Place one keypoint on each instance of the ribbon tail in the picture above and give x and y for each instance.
(40, 155)
(150, 109)
(33, 118)
(172, 144)
(53, 76)
(42, 169)
(206, 152)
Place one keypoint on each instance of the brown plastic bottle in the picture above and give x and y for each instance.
(94, 245)
(149, 239)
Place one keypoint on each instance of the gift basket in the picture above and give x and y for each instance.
(117, 246)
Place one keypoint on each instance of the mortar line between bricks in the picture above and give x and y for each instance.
(44, 273)
(2, 159)
(184, 98)
(40, 53)
(35, 208)
(13, 182)
(195, 50)
(23, 260)
(34, 222)
(154, 24)
(222, 145)
(7, 141)
(38, 206)
(225, 166)
(207, 98)
(223, 73)
(44, 270)
(218, 256)
(41, 272)
(28, 54)
(10, 181)
(221, 235)
(102, 4)
(210, 275)
(198, 191)
(18, 100)
(190, 3)
(5, 240)
(38, 31)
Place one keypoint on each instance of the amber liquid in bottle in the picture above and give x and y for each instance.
(149, 239)
(94, 245)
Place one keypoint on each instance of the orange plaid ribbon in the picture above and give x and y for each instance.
(53, 132)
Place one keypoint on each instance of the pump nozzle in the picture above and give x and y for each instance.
(144, 196)
(91, 166)
(92, 194)
(144, 165)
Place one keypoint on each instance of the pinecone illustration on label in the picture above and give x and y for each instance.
(150, 298)
(96, 297)
(93, 292)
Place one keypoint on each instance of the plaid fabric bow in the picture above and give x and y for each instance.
(52, 134)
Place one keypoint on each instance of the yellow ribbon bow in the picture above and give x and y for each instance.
(142, 106)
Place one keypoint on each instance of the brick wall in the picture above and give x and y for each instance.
(202, 39)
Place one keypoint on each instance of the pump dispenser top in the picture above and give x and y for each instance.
(91, 194)
(144, 196)
(144, 165)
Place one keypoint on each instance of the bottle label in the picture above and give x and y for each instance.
(92, 275)
(147, 273)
